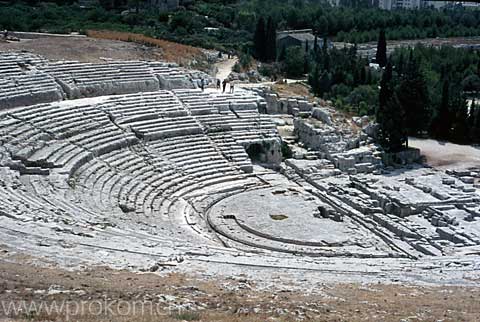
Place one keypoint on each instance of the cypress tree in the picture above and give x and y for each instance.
(476, 126)
(461, 131)
(471, 121)
(314, 79)
(260, 40)
(363, 76)
(443, 122)
(271, 40)
(400, 64)
(324, 84)
(390, 115)
(413, 95)
(381, 55)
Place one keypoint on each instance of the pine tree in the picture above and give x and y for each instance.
(271, 41)
(381, 55)
(260, 40)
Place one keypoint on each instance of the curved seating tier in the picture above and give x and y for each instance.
(151, 154)
(88, 80)
(143, 106)
(21, 83)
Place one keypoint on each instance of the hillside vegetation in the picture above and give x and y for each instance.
(230, 24)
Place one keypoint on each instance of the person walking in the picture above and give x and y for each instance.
(218, 84)
(232, 88)
(224, 85)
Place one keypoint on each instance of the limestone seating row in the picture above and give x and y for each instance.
(232, 150)
(87, 79)
(195, 155)
(230, 121)
(27, 89)
(165, 127)
(15, 64)
(63, 121)
(75, 135)
(143, 106)
(196, 101)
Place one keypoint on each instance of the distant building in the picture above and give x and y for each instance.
(297, 38)
(400, 4)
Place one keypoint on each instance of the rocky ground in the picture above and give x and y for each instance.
(25, 287)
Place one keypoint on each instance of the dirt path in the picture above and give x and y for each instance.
(447, 155)
(225, 67)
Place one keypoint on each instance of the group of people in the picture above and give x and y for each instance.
(224, 86)
(220, 85)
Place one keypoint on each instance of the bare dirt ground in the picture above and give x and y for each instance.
(447, 155)
(84, 49)
(28, 291)
(103, 45)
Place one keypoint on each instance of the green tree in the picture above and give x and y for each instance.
(413, 95)
(259, 40)
(442, 124)
(390, 115)
(381, 55)
(461, 131)
(476, 126)
(271, 40)
(294, 61)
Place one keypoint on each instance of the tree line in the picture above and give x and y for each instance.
(236, 20)
(419, 91)
(430, 91)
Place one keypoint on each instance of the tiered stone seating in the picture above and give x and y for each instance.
(62, 136)
(165, 127)
(88, 80)
(170, 75)
(232, 151)
(143, 106)
(22, 84)
(197, 101)
(195, 155)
